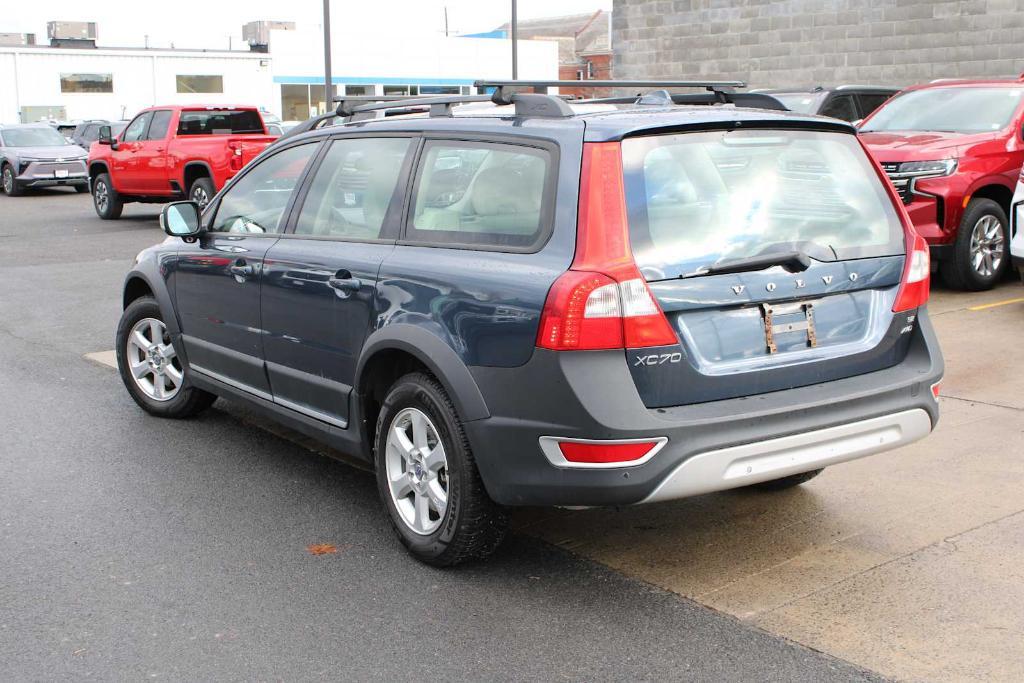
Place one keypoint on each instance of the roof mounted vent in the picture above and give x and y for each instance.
(73, 34)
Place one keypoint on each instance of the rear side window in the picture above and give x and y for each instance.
(871, 101)
(219, 122)
(697, 198)
(840, 107)
(353, 189)
(481, 194)
(255, 204)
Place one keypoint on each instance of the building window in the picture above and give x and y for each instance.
(440, 90)
(401, 90)
(358, 89)
(72, 83)
(200, 84)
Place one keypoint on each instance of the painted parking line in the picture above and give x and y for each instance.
(107, 358)
(1007, 302)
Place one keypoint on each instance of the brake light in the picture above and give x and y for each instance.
(606, 452)
(916, 275)
(602, 301)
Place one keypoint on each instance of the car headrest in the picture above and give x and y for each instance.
(504, 190)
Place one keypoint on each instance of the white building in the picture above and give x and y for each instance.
(70, 83)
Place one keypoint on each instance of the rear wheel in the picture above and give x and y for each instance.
(105, 199)
(150, 367)
(8, 182)
(787, 482)
(202, 192)
(427, 477)
(980, 252)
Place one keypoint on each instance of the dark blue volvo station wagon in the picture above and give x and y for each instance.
(518, 299)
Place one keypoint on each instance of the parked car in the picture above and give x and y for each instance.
(36, 155)
(172, 152)
(549, 303)
(954, 150)
(846, 102)
(1017, 235)
(88, 132)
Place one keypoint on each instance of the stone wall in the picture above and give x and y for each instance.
(811, 42)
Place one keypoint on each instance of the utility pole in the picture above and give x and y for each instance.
(446, 21)
(515, 35)
(328, 86)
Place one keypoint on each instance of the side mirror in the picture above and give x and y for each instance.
(181, 219)
(105, 137)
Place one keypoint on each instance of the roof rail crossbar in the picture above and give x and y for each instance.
(346, 103)
(438, 105)
(503, 89)
(663, 98)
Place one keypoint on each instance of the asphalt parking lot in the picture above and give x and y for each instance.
(132, 547)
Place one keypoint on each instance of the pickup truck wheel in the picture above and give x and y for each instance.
(150, 367)
(787, 482)
(105, 199)
(980, 255)
(202, 192)
(427, 477)
(9, 183)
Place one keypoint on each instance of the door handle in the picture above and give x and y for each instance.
(242, 270)
(344, 282)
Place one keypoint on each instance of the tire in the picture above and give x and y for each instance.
(8, 183)
(787, 482)
(966, 270)
(185, 400)
(105, 199)
(471, 525)
(82, 189)
(202, 192)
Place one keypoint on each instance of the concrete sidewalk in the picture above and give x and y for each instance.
(909, 563)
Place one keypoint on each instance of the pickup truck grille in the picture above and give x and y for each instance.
(900, 182)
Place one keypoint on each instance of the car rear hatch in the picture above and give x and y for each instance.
(776, 257)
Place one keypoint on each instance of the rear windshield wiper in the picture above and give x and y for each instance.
(792, 261)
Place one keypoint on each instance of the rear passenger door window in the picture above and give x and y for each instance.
(871, 102)
(158, 127)
(353, 189)
(481, 194)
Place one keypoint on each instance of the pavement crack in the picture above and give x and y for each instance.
(984, 403)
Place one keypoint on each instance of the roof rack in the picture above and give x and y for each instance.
(440, 105)
(662, 98)
(503, 93)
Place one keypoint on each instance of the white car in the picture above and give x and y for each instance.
(1016, 234)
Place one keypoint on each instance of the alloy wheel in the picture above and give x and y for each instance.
(987, 246)
(417, 471)
(200, 197)
(8, 180)
(152, 361)
(101, 195)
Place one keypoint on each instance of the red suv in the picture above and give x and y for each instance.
(953, 150)
(173, 152)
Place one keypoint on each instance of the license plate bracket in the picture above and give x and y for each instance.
(60, 173)
(772, 328)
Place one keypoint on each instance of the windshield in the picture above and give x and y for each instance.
(800, 102)
(698, 198)
(32, 137)
(950, 110)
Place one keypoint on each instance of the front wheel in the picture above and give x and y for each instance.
(427, 477)
(150, 367)
(8, 182)
(105, 199)
(980, 252)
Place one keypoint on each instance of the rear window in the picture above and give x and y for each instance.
(698, 198)
(220, 122)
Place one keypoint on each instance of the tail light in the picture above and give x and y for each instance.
(916, 281)
(602, 301)
(236, 155)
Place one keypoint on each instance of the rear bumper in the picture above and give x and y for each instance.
(591, 395)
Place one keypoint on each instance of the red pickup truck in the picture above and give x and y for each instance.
(173, 152)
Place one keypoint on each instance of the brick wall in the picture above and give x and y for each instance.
(808, 42)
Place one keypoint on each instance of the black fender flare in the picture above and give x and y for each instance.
(147, 270)
(194, 162)
(437, 356)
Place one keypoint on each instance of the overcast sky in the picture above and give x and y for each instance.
(209, 23)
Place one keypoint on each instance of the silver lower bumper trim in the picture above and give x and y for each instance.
(752, 463)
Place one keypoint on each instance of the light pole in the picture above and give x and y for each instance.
(515, 32)
(328, 86)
